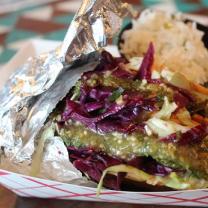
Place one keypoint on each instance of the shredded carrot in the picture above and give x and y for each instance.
(206, 120)
(200, 88)
(199, 118)
(157, 66)
(175, 119)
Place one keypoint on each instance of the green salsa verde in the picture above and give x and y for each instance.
(128, 146)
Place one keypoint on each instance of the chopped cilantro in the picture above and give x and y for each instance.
(116, 94)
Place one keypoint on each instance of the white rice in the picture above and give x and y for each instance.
(178, 46)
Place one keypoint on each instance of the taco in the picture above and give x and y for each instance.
(128, 126)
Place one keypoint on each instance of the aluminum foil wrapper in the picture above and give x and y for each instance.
(94, 23)
(34, 90)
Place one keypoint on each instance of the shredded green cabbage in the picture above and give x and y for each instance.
(38, 155)
(173, 180)
(164, 128)
(185, 118)
(167, 109)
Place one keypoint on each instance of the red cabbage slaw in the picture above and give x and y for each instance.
(108, 109)
(93, 163)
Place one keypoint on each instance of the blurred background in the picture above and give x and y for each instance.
(21, 20)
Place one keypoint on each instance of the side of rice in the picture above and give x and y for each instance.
(178, 45)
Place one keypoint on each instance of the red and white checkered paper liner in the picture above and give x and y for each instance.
(35, 187)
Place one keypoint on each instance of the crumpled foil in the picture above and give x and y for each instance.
(34, 90)
(94, 23)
